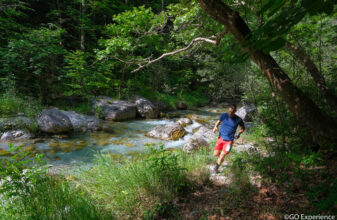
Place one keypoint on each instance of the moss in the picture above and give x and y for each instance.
(195, 129)
(30, 148)
(201, 121)
(178, 134)
(103, 142)
(54, 144)
(129, 144)
(149, 144)
(4, 153)
(192, 116)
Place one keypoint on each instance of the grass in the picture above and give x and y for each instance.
(28, 192)
(146, 186)
(12, 104)
(51, 198)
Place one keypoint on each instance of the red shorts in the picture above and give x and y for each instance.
(223, 145)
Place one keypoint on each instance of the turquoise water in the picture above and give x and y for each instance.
(127, 138)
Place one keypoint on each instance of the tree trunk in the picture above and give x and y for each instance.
(310, 66)
(322, 127)
(82, 28)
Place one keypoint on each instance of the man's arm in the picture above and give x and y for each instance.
(216, 126)
(242, 129)
(242, 126)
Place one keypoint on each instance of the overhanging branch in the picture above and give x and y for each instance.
(194, 41)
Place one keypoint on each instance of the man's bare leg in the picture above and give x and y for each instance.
(216, 153)
(222, 157)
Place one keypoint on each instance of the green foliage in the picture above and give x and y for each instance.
(27, 192)
(34, 61)
(152, 181)
(324, 196)
(11, 12)
(12, 104)
(83, 79)
(281, 16)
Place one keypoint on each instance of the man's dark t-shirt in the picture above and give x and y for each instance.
(229, 125)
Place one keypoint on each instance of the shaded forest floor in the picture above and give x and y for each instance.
(241, 192)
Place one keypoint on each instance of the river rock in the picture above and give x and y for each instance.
(168, 132)
(108, 109)
(181, 105)
(199, 139)
(246, 112)
(194, 144)
(16, 135)
(12, 123)
(205, 133)
(145, 108)
(248, 147)
(84, 123)
(185, 121)
(54, 121)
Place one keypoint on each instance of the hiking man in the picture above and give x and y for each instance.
(229, 122)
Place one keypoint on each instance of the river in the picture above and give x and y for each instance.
(127, 138)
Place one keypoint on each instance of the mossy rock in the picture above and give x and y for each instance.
(196, 129)
(117, 142)
(177, 134)
(51, 152)
(54, 144)
(31, 148)
(202, 121)
(67, 145)
(103, 142)
(129, 144)
(150, 144)
(5, 153)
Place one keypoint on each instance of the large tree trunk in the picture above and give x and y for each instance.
(310, 66)
(322, 127)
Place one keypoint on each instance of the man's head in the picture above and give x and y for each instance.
(231, 110)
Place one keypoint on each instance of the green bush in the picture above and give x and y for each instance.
(28, 192)
(12, 103)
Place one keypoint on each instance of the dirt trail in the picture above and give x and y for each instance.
(227, 198)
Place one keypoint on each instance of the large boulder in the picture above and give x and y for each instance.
(83, 123)
(145, 108)
(199, 139)
(54, 121)
(181, 105)
(108, 109)
(246, 112)
(172, 131)
(16, 135)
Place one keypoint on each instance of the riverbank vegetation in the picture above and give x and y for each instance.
(161, 183)
(114, 187)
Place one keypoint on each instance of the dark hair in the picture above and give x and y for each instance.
(232, 106)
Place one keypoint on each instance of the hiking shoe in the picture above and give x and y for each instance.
(214, 171)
